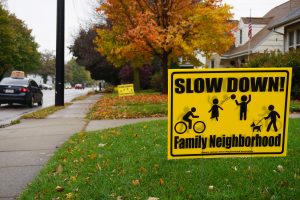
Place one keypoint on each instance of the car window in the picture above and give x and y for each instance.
(14, 81)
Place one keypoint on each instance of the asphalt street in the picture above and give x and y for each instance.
(10, 113)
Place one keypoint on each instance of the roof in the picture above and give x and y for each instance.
(256, 20)
(294, 15)
(274, 16)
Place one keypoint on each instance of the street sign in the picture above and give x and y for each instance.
(228, 112)
(125, 90)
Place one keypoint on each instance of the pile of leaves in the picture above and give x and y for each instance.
(137, 106)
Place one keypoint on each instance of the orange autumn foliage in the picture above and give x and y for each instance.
(142, 29)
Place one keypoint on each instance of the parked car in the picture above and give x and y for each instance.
(20, 90)
(79, 86)
(45, 87)
(68, 86)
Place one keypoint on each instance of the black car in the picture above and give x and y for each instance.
(20, 90)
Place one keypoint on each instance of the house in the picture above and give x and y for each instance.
(291, 26)
(268, 34)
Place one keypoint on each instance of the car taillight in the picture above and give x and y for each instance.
(23, 89)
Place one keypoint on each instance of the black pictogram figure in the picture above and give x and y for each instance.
(256, 127)
(215, 109)
(189, 114)
(198, 127)
(273, 115)
(243, 106)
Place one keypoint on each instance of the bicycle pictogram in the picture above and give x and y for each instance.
(198, 127)
(181, 127)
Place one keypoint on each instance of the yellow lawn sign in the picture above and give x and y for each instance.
(125, 90)
(228, 112)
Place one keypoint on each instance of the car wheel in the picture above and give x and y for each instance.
(40, 103)
(31, 102)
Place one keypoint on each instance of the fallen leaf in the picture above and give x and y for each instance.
(234, 168)
(59, 189)
(181, 189)
(279, 168)
(59, 169)
(69, 196)
(73, 178)
(210, 188)
(101, 145)
(296, 176)
(153, 198)
(142, 170)
(284, 184)
(119, 198)
(135, 182)
(92, 156)
(161, 181)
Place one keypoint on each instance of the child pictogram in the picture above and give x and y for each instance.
(215, 109)
(273, 116)
(243, 106)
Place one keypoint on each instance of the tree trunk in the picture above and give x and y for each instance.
(136, 79)
(165, 72)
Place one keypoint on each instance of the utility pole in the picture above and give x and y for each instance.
(60, 57)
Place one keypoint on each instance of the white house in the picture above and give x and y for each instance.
(267, 35)
(40, 80)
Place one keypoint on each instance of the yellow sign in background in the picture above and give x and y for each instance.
(125, 90)
(228, 112)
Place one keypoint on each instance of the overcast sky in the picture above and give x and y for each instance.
(40, 16)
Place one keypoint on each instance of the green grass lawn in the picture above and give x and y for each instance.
(130, 162)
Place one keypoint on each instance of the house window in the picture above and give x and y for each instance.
(241, 36)
(291, 40)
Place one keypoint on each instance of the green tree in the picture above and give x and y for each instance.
(18, 50)
(47, 66)
(78, 73)
(84, 51)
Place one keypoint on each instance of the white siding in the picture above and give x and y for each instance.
(272, 42)
(245, 29)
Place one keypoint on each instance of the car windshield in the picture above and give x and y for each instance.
(14, 81)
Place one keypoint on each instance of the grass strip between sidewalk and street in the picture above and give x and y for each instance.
(138, 106)
(130, 162)
(44, 112)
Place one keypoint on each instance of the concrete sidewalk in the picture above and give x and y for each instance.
(26, 147)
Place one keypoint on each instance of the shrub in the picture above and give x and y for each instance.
(155, 81)
(279, 59)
